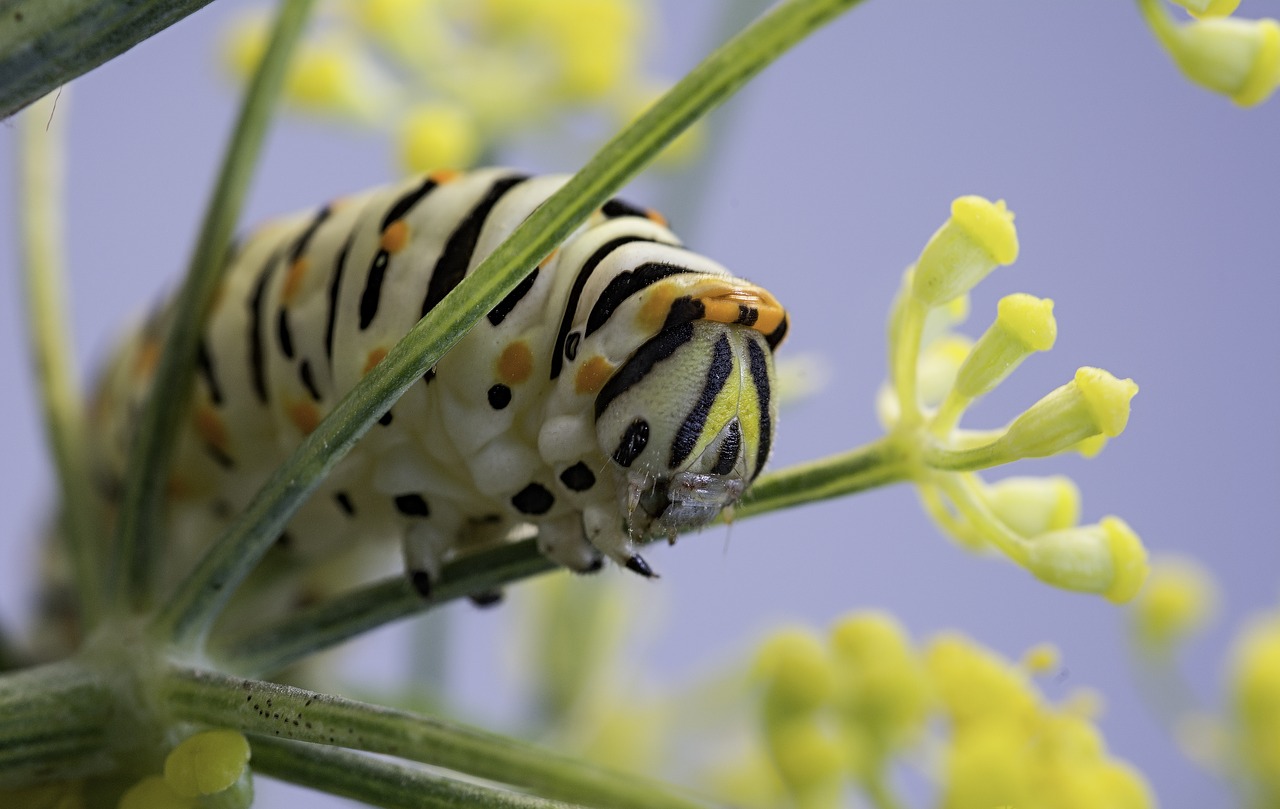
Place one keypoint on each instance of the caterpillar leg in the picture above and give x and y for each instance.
(425, 546)
(562, 541)
(604, 530)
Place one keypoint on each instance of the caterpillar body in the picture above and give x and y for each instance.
(623, 390)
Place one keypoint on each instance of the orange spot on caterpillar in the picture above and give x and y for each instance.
(304, 416)
(725, 306)
(395, 236)
(443, 176)
(654, 216)
(211, 429)
(375, 356)
(592, 375)
(656, 307)
(516, 363)
(293, 279)
(550, 257)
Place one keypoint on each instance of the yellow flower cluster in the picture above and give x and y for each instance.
(934, 377)
(839, 710)
(1235, 57)
(454, 80)
(209, 768)
(1254, 683)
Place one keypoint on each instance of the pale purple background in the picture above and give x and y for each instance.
(1147, 208)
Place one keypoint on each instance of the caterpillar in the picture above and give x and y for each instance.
(623, 390)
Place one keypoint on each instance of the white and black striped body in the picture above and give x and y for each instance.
(621, 391)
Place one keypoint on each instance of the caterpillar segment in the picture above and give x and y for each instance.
(622, 391)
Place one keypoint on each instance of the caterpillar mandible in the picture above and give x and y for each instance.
(623, 390)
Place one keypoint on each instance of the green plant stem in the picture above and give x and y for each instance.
(53, 723)
(262, 651)
(379, 783)
(270, 709)
(200, 598)
(266, 650)
(138, 528)
(47, 43)
(876, 464)
(40, 208)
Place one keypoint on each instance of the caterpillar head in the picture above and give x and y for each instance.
(687, 423)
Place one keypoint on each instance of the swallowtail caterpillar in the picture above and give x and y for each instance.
(623, 390)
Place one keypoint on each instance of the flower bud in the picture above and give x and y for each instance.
(1107, 558)
(1092, 403)
(207, 763)
(883, 693)
(1255, 702)
(809, 759)
(1209, 8)
(1178, 600)
(1235, 57)
(153, 792)
(1034, 505)
(977, 238)
(437, 135)
(1023, 324)
(797, 672)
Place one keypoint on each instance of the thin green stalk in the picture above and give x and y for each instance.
(876, 464)
(270, 709)
(40, 207)
(379, 783)
(53, 722)
(46, 43)
(138, 528)
(199, 599)
(265, 650)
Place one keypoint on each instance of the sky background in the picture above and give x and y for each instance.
(1147, 208)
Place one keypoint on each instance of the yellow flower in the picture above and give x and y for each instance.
(1254, 683)
(796, 671)
(974, 684)
(153, 792)
(1024, 324)
(1209, 8)
(207, 763)
(1237, 58)
(1035, 505)
(977, 238)
(437, 136)
(989, 765)
(809, 759)
(1106, 558)
(1178, 600)
(883, 696)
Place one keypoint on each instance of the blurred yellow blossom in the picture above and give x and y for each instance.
(1179, 599)
(1254, 687)
(153, 792)
(454, 81)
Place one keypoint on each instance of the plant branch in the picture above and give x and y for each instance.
(263, 651)
(876, 464)
(138, 527)
(270, 709)
(379, 783)
(53, 723)
(201, 597)
(40, 210)
(46, 43)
